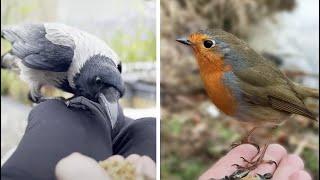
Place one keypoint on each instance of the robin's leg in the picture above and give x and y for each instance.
(246, 140)
(256, 161)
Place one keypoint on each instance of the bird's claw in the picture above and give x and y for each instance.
(271, 162)
(238, 166)
(83, 103)
(245, 160)
(264, 177)
(77, 102)
(240, 173)
(243, 173)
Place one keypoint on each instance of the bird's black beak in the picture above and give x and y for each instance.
(108, 99)
(184, 41)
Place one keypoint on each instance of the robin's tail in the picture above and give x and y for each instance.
(306, 92)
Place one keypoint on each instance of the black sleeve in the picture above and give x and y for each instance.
(53, 132)
(137, 137)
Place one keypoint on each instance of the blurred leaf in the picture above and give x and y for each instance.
(311, 161)
(138, 47)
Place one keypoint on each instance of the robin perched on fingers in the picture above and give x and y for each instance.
(242, 84)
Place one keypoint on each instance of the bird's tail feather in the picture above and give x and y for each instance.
(306, 92)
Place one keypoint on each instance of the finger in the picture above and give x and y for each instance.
(80, 167)
(115, 158)
(274, 152)
(149, 167)
(144, 165)
(300, 175)
(134, 159)
(288, 165)
(224, 166)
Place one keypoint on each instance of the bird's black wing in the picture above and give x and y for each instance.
(31, 45)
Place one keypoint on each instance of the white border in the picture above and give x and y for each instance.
(158, 159)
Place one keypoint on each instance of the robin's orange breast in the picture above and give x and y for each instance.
(212, 69)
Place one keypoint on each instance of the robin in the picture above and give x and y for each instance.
(243, 85)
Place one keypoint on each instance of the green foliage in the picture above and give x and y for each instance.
(12, 85)
(192, 169)
(311, 162)
(174, 126)
(17, 10)
(139, 47)
(226, 133)
(176, 168)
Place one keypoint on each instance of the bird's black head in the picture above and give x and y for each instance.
(100, 75)
(99, 80)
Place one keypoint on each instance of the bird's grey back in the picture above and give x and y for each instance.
(55, 47)
(29, 43)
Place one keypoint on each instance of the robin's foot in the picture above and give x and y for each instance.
(237, 175)
(264, 177)
(245, 141)
(253, 164)
(244, 175)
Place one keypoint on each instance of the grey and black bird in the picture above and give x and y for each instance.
(64, 57)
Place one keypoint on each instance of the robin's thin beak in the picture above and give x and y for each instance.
(184, 41)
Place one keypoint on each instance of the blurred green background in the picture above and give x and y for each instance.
(194, 135)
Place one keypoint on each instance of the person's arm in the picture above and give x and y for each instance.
(54, 132)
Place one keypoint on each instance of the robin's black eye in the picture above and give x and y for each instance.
(119, 67)
(208, 43)
(98, 80)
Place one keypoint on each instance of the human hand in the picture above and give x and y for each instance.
(81, 167)
(290, 166)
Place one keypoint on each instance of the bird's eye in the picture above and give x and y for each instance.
(98, 80)
(209, 43)
(119, 67)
